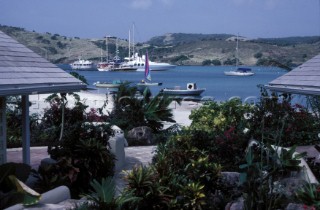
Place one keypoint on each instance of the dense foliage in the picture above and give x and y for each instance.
(186, 172)
(132, 111)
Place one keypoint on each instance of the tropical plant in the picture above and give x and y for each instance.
(83, 143)
(61, 102)
(282, 123)
(144, 185)
(56, 174)
(220, 117)
(14, 123)
(309, 195)
(131, 111)
(102, 196)
(265, 166)
(12, 188)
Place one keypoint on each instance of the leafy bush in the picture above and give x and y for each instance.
(130, 112)
(78, 142)
(102, 196)
(278, 122)
(144, 185)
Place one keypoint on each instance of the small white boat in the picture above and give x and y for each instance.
(83, 65)
(240, 72)
(191, 90)
(147, 75)
(113, 84)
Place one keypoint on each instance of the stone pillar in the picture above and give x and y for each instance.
(3, 131)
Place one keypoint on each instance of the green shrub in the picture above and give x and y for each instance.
(278, 122)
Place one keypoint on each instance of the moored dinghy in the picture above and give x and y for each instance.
(191, 90)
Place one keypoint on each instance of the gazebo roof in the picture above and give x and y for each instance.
(23, 72)
(305, 79)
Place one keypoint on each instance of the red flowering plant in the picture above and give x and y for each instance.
(280, 122)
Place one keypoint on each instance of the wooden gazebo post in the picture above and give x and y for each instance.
(25, 130)
(3, 131)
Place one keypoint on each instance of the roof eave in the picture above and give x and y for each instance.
(42, 90)
(294, 90)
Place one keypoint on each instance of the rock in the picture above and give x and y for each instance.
(237, 205)
(294, 206)
(230, 178)
(290, 185)
(140, 136)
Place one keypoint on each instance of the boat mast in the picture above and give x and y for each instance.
(107, 50)
(101, 55)
(237, 53)
(133, 52)
(117, 51)
(129, 56)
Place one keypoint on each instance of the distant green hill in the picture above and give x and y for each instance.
(175, 48)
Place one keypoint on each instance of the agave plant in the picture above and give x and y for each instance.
(102, 196)
(144, 184)
(309, 195)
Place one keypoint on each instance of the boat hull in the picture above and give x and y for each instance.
(194, 92)
(149, 84)
(107, 85)
(164, 67)
(113, 84)
(235, 73)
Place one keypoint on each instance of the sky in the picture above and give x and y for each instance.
(100, 18)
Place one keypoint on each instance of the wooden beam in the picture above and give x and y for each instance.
(3, 131)
(25, 130)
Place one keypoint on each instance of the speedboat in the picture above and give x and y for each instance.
(191, 90)
(83, 65)
(138, 62)
(241, 71)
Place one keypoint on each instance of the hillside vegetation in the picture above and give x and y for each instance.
(176, 48)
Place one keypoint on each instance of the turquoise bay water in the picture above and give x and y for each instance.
(218, 86)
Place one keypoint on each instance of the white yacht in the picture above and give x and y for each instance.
(82, 65)
(138, 62)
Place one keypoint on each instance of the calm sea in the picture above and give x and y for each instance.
(218, 86)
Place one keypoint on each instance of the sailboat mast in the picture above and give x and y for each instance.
(129, 45)
(117, 50)
(107, 50)
(133, 52)
(237, 53)
(101, 54)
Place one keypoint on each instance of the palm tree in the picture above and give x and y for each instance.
(132, 111)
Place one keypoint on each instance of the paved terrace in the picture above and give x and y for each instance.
(134, 156)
